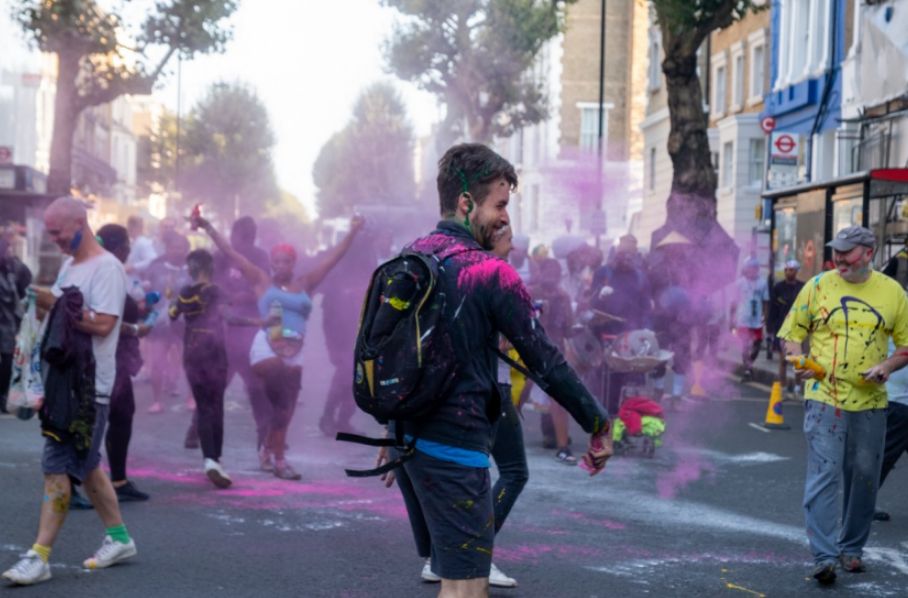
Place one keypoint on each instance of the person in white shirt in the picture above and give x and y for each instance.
(100, 278)
(749, 307)
(142, 251)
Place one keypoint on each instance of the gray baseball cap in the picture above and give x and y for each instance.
(849, 238)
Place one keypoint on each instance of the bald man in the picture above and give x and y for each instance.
(102, 281)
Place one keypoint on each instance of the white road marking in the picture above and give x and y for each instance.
(758, 427)
(891, 556)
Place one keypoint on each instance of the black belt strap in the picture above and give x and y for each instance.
(406, 450)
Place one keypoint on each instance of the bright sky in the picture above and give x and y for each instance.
(308, 61)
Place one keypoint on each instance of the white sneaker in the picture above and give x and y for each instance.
(29, 570)
(216, 474)
(111, 552)
(500, 580)
(427, 574)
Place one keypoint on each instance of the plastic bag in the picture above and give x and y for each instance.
(26, 391)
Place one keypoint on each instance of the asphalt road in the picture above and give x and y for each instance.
(715, 513)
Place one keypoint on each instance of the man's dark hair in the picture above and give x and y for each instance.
(113, 236)
(198, 262)
(469, 168)
(243, 231)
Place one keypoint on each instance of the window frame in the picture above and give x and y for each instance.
(735, 76)
(761, 158)
(719, 64)
(756, 41)
(728, 165)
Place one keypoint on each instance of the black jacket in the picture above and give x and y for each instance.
(68, 370)
(484, 295)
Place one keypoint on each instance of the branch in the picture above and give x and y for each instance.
(136, 85)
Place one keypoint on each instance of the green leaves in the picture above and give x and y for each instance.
(476, 55)
(226, 150)
(115, 57)
(370, 161)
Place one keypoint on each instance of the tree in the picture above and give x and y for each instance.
(685, 25)
(96, 64)
(370, 161)
(475, 55)
(225, 152)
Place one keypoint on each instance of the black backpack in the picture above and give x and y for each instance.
(404, 361)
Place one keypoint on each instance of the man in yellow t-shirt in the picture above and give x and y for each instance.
(849, 314)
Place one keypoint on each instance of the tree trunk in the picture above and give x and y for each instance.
(66, 113)
(691, 206)
(692, 202)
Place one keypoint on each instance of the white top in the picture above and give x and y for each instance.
(897, 387)
(141, 253)
(751, 295)
(102, 282)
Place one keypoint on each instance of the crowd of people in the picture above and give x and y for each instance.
(513, 324)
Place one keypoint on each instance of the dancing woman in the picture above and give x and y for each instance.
(276, 353)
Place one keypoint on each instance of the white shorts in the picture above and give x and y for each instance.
(261, 351)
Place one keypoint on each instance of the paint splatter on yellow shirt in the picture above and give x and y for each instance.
(849, 326)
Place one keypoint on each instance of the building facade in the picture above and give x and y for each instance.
(564, 189)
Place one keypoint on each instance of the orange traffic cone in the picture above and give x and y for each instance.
(696, 389)
(775, 420)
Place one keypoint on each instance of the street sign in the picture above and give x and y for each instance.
(768, 124)
(597, 221)
(6, 155)
(785, 143)
(784, 151)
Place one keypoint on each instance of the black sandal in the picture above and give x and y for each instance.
(565, 456)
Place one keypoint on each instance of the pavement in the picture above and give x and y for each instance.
(715, 513)
(765, 371)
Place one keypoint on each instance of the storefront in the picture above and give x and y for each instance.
(23, 198)
(806, 217)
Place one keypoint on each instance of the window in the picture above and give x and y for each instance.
(589, 129)
(757, 158)
(655, 64)
(757, 72)
(803, 39)
(737, 93)
(714, 159)
(728, 164)
(652, 169)
(720, 90)
(589, 124)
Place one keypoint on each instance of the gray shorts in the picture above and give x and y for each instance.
(60, 457)
(455, 503)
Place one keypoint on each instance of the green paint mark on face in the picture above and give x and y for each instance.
(466, 221)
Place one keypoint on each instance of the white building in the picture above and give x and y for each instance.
(875, 89)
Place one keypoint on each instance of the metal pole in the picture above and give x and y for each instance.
(176, 170)
(601, 106)
(601, 81)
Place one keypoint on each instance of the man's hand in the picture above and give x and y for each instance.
(598, 452)
(387, 478)
(357, 223)
(142, 330)
(878, 374)
(805, 374)
(43, 297)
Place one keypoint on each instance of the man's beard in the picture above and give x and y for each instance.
(498, 235)
(487, 235)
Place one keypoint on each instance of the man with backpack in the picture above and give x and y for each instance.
(439, 387)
